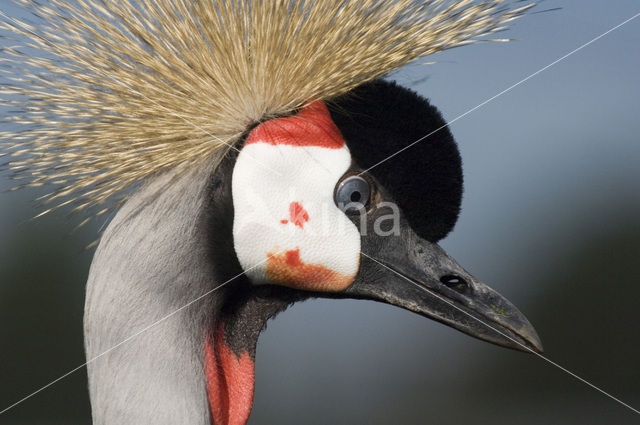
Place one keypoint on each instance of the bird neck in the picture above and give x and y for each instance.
(166, 281)
(146, 313)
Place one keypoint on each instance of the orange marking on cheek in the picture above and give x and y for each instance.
(288, 269)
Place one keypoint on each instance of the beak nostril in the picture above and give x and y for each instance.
(454, 282)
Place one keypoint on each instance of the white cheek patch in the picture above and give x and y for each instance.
(287, 229)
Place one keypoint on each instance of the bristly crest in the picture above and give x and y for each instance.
(107, 93)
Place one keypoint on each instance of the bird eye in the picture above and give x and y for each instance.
(352, 194)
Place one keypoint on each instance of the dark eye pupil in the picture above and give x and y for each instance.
(352, 194)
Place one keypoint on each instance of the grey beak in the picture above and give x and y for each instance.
(419, 276)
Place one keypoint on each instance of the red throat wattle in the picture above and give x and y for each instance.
(230, 381)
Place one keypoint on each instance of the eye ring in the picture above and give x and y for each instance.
(353, 194)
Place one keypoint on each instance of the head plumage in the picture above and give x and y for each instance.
(106, 94)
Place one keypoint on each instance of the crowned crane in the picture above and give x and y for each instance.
(269, 148)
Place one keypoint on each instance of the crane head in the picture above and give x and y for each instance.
(320, 207)
(326, 196)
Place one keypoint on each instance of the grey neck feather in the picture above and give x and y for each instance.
(152, 260)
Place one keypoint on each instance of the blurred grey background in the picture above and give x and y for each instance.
(551, 219)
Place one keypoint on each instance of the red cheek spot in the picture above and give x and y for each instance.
(284, 221)
(288, 269)
(298, 215)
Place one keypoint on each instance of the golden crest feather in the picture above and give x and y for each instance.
(107, 93)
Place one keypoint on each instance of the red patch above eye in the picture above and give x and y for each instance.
(312, 126)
